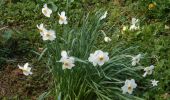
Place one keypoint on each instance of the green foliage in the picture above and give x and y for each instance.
(4, 51)
(20, 37)
(152, 39)
(15, 39)
(86, 81)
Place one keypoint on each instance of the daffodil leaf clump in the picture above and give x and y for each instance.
(83, 70)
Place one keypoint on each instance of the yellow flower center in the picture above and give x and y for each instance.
(101, 58)
(149, 71)
(129, 87)
(40, 30)
(151, 5)
(66, 64)
(47, 34)
(62, 18)
(24, 70)
(45, 11)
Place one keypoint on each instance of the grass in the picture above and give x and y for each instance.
(153, 39)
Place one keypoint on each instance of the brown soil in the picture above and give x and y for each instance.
(13, 84)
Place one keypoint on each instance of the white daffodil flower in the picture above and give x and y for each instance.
(68, 62)
(167, 27)
(25, 69)
(124, 28)
(63, 18)
(46, 11)
(107, 39)
(64, 54)
(48, 35)
(148, 70)
(135, 24)
(136, 59)
(98, 57)
(154, 82)
(41, 28)
(103, 16)
(129, 86)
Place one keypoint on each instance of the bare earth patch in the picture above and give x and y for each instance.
(14, 84)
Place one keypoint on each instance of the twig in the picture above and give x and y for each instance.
(3, 27)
